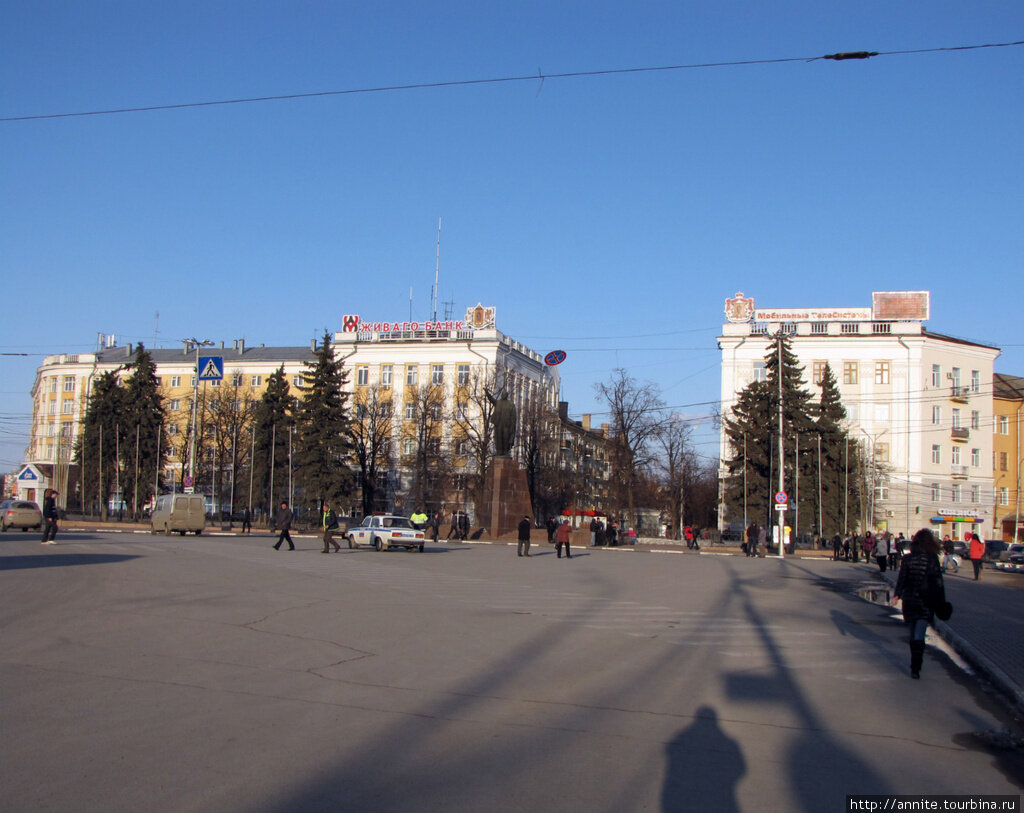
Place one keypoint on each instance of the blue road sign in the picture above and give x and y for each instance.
(211, 368)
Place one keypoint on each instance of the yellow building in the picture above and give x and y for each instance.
(1008, 456)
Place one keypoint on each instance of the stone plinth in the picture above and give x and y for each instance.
(506, 498)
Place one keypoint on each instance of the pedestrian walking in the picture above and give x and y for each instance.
(463, 526)
(948, 557)
(599, 536)
(837, 546)
(435, 526)
(329, 522)
(552, 526)
(246, 521)
(453, 530)
(524, 537)
(919, 586)
(594, 525)
(283, 521)
(613, 535)
(50, 516)
(750, 546)
(896, 548)
(882, 551)
(688, 536)
(562, 534)
(976, 552)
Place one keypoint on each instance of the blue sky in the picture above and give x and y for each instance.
(608, 216)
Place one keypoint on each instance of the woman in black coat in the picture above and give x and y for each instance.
(920, 586)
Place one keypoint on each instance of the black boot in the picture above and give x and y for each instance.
(916, 658)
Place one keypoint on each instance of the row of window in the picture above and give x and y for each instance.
(956, 494)
(955, 456)
(954, 378)
(412, 375)
(851, 372)
(956, 416)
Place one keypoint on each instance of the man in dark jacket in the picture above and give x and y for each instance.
(524, 537)
(283, 521)
(50, 517)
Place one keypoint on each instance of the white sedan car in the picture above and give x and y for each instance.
(385, 531)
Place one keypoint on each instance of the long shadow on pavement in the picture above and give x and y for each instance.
(61, 560)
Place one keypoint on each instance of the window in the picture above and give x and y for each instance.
(881, 493)
(434, 446)
(362, 376)
(936, 415)
(956, 418)
(435, 411)
(1004, 496)
(850, 372)
(954, 375)
(236, 405)
(409, 446)
(882, 452)
(236, 380)
(174, 404)
(936, 492)
(975, 381)
(53, 384)
(360, 412)
(975, 419)
(175, 380)
(192, 382)
(412, 375)
(52, 410)
(69, 383)
(297, 380)
(976, 458)
(67, 407)
(936, 453)
(461, 447)
(172, 429)
(1004, 425)
(410, 411)
(955, 492)
(955, 456)
(462, 374)
(936, 375)
(975, 494)
(1003, 461)
(817, 371)
(385, 409)
(256, 381)
(881, 372)
(387, 372)
(436, 374)
(462, 410)
(760, 371)
(214, 405)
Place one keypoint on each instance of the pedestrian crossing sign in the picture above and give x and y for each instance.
(211, 368)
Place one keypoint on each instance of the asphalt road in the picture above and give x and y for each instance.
(216, 674)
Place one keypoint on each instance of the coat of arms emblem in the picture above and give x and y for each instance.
(480, 317)
(740, 308)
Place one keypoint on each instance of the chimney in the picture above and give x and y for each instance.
(563, 410)
(586, 422)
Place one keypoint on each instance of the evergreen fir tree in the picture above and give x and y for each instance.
(96, 452)
(323, 452)
(143, 444)
(273, 420)
(749, 430)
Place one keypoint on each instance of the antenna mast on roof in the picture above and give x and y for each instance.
(437, 268)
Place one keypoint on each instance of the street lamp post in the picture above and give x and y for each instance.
(195, 403)
(782, 482)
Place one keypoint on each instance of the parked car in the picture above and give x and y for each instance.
(993, 549)
(961, 549)
(1012, 558)
(20, 514)
(386, 531)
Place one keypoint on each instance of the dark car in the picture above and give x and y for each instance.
(993, 549)
(961, 549)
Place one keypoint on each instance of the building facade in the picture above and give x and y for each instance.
(451, 360)
(919, 402)
(1008, 456)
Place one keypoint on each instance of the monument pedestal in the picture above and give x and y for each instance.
(506, 500)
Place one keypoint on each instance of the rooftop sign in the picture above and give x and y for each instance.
(888, 306)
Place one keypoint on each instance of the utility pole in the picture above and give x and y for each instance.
(782, 482)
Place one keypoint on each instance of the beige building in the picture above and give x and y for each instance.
(1008, 456)
(920, 402)
(450, 357)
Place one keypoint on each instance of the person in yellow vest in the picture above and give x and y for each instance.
(419, 519)
(329, 522)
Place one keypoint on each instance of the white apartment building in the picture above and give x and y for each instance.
(920, 402)
(396, 356)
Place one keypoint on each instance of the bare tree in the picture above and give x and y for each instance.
(422, 440)
(676, 460)
(371, 439)
(538, 445)
(473, 427)
(635, 411)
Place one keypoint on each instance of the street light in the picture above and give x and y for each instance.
(195, 398)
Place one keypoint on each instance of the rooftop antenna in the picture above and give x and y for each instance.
(156, 329)
(410, 303)
(437, 267)
(448, 307)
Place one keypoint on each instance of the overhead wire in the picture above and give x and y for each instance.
(533, 77)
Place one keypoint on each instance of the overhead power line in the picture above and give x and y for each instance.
(539, 76)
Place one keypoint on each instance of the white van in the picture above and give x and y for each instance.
(178, 512)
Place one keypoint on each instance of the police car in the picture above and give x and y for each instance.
(384, 531)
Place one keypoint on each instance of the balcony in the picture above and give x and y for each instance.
(960, 433)
(959, 472)
(959, 394)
